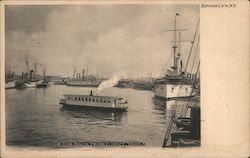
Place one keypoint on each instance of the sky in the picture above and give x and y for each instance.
(105, 38)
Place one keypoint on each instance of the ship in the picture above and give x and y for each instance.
(94, 102)
(83, 80)
(177, 82)
(10, 80)
(143, 84)
(29, 77)
(19, 84)
(30, 81)
(10, 85)
(30, 84)
(43, 83)
(124, 83)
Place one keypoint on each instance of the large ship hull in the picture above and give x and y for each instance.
(172, 91)
(83, 83)
(19, 84)
(42, 85)
(30, 85)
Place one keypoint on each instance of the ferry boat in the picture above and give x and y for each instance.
(94, 102)
(176, 83)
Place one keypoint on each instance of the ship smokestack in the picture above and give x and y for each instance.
(23, 75)
(83, 74)
(31, 74)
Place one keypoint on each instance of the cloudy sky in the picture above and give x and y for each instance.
(107, 38)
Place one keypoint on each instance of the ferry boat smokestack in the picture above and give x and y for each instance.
(91, 93)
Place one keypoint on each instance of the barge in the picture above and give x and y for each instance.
(94, 102)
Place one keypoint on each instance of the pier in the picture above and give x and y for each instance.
(183, 129)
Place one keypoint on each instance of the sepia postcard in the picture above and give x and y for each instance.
(125, 78)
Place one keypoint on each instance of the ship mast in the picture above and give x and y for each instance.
(174, 62)
(87, 69)
(27, 62)
(177, 62)
(74, 73)
(44, 74)
(10, 68)
(35, 68)
(179, 54)
(192, 44)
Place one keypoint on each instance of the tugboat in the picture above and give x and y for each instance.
(94, 102)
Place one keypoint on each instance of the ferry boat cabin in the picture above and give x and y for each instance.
(93, 101)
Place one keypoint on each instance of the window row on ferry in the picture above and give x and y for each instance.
(88, 99)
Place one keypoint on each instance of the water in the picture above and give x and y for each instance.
(34, 117)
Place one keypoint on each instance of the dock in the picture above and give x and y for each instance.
(183, 130)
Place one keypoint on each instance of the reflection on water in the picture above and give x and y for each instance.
(166, 107)
(160, 104)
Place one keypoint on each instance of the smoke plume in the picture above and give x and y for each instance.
(110, 82)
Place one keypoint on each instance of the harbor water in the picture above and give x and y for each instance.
(34, 118)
